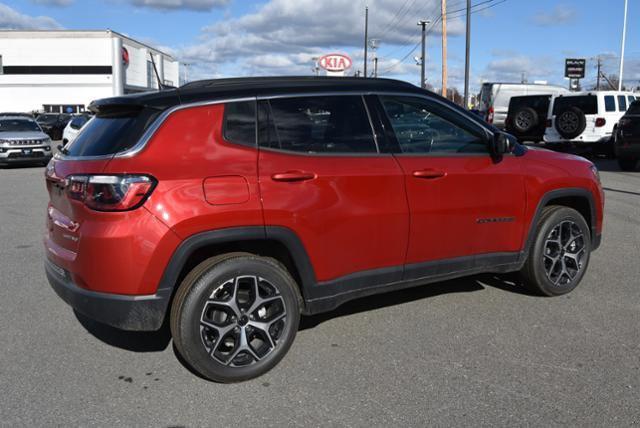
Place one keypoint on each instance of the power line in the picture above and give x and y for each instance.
(489, 6)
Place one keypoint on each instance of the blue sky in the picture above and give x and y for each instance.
(233, 37)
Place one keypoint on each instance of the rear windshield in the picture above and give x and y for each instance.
(634, 108)
(18, 125)
(107, 135)
(537, 102)
(587, 103)
(78, 122)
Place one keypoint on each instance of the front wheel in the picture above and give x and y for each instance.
(559, 254)
(235, 316)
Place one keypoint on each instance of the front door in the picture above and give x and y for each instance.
(463, 203)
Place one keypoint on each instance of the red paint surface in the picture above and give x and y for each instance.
(351, 213)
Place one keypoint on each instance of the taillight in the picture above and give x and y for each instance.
(549, 123)
(110, 192)
(490, 115)
(600, 122)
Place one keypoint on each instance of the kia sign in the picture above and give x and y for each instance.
(574, 68)
(334, 63)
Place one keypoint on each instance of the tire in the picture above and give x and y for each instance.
(525, 119)
(220, 329)
(559, 254)
(570, 123)
(627, 164)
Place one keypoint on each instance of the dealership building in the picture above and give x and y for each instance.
(63, 71)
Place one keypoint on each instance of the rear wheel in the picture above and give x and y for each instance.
(559, 254)
(235, 316)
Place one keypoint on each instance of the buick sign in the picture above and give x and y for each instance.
(334, 62)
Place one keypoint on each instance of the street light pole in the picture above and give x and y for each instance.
(366, 38)
(624, 35)
(466, 60)
(423, 60)
(444, 48)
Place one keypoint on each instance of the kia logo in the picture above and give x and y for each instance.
(335, 62)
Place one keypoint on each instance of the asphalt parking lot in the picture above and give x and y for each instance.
(475, 351)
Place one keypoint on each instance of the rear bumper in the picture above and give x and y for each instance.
(136, 313)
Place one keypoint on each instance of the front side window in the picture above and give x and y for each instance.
(622, 103)
(328, 124)
(609, 103)
(423, 127)
(240, 122)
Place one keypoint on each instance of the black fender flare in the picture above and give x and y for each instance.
(563, 193)
(285, 236)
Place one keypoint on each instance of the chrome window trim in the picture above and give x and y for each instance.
(157, 123)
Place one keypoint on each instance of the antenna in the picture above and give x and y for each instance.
(155, 70)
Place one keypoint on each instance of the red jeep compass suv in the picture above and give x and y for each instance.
(233, 206)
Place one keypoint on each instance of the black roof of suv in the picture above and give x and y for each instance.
(207, 90)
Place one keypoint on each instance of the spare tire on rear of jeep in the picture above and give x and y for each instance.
(570, 122)
(525, 119)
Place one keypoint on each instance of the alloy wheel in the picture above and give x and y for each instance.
(524, 120)
(242, 321)
(564, 252)
(568, 122)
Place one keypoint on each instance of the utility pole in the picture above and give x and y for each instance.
(186, 71)
(466, 59)
(598, 79)
(375, 66)
(366, 37)
(444, 48)
(624, 35)
(423, 61)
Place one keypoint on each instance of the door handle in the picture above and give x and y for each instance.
(429, 173)
(291, 176)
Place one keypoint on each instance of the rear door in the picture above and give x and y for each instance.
(462, 202)
(322, 176)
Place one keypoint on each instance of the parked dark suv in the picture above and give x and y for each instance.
(234, 206)
(53, 124)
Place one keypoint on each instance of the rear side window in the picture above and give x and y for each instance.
(587, 103)
(609, 103)
(622, 103)
(110, 134)
(240, 123)
(334, 124)
(631, 99)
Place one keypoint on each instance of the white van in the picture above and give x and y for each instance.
(586, 117)
(495, 97)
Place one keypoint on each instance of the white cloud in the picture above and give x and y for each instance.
(559, 15)
(11, 19)
(282, 36)
(510, 69)
(53, 2)
(199, 5)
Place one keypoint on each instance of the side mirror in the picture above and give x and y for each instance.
(501, 144)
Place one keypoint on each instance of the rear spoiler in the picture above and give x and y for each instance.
(133, 104)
